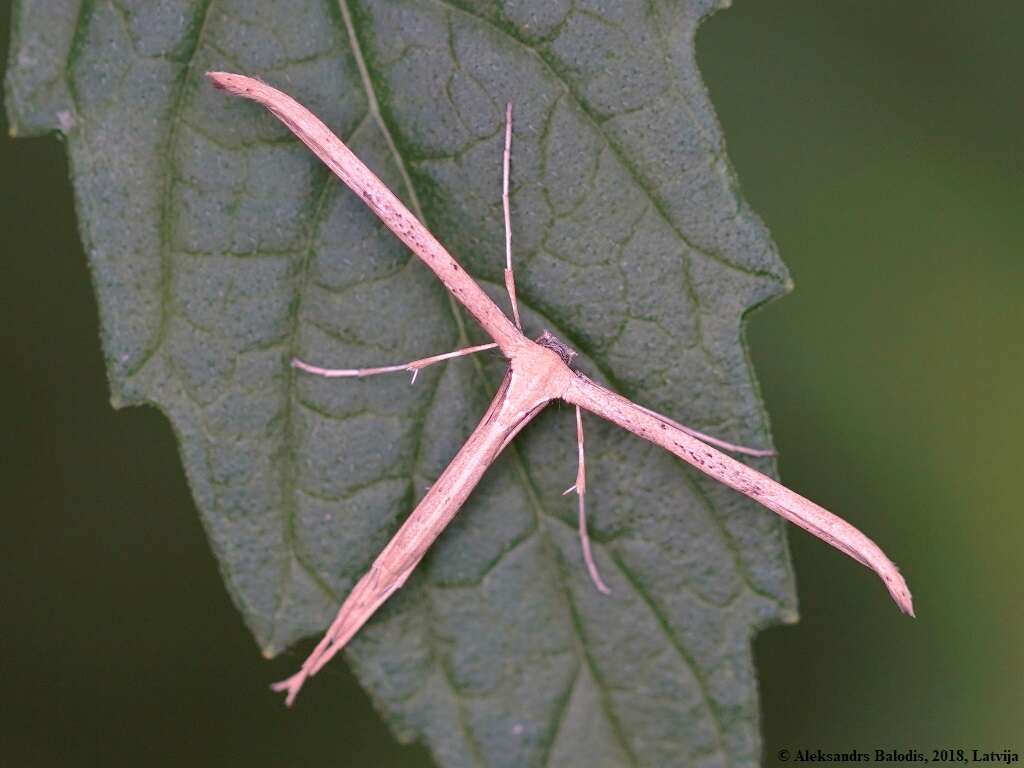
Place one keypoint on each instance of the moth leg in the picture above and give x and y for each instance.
(415, 366)
(510, 281)
(581, 491)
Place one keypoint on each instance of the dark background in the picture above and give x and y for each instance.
(881, 142)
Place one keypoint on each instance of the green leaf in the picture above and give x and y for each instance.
(220, 248)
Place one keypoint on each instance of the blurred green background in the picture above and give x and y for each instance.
(882, 143)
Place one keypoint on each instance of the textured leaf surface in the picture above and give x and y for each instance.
(220, 248)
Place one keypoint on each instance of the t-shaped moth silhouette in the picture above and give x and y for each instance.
(539, 373)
